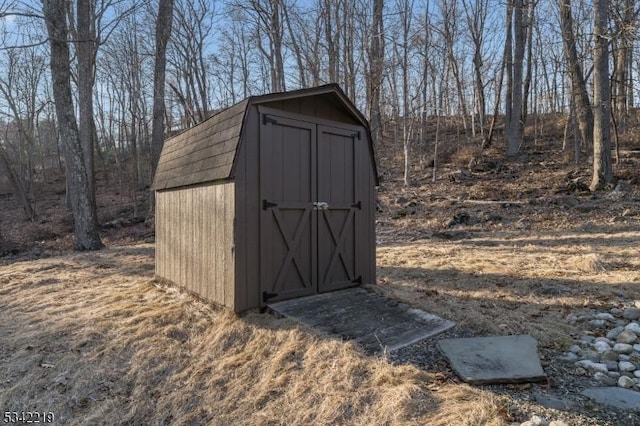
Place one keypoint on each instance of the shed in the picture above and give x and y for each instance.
(270, 199)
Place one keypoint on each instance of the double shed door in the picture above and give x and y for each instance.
(310, 203)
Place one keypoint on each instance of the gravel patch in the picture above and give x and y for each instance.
(559, 400)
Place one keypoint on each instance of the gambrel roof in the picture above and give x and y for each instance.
(206, 152)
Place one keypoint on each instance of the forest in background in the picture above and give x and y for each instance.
(96, 85)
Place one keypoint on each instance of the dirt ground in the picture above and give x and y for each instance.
(500, 247)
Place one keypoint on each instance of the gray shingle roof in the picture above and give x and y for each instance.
(203, 153)
(206, 152)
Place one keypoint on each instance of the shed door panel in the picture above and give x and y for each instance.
(337, 187)
(287, 223)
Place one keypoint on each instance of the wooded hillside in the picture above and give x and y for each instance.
(88, 90)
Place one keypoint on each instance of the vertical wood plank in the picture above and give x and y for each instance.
(236, 296)
(229, 281)
(184, 241)
(207, 242)
(195, 238)
(159, 231)
(217, 261)
(250, 296)
(188, 242)
(198, 230)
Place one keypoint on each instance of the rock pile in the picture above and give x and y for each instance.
(540, 421)
(609, 350)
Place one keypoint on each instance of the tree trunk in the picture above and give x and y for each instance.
(530, 16)
(514, 125)
(476, 14)
(163, 32)
(449, 11)
(625, 28)
(332, 51)
(602, 174)
(85, 228)
(276, 31)
(375, 78)
(508, 64)
(85, 50)
(506, 57)
(425, 79)
(407, 117)
(583, 112)
(296, 48)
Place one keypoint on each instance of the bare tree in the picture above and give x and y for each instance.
(287, 10)
(86, 46)
(163, 33)
(514, 93)
(476, 15)
(376, 61)
(17, 184)
(20, 85)
(85, 221)
(124, 61)
(505, 65)
(625, 19)
(348, 30)
(528, 24)
(311, 36)
(232, 63)
(89, 30)
(427, 67)
(449, 31)
(332, 21)
(602, 174)
(267, 26)
(581, 101)
(191, 31)
(405, 8)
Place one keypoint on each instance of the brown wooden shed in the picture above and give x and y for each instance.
(270, 199)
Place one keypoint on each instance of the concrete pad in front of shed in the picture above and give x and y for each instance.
(373, 321)
(501, 359)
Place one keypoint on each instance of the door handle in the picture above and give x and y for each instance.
(320, 205)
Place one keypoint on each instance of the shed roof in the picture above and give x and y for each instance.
(206, 152)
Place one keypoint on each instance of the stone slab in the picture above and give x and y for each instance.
(614, 396)
(375, 322)
(500, 359)
(554, 401)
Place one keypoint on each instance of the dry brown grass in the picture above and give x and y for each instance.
(91, 338)
(511, 283)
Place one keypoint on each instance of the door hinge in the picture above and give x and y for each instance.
(268, 204)
(357, 280)
(356, 135)
(357, 205)
(268, 120)
(266, 296)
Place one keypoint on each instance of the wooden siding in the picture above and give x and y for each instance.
(326, 106)
(248, 216)
(204, 153)
(367, 223)
(195, 240)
